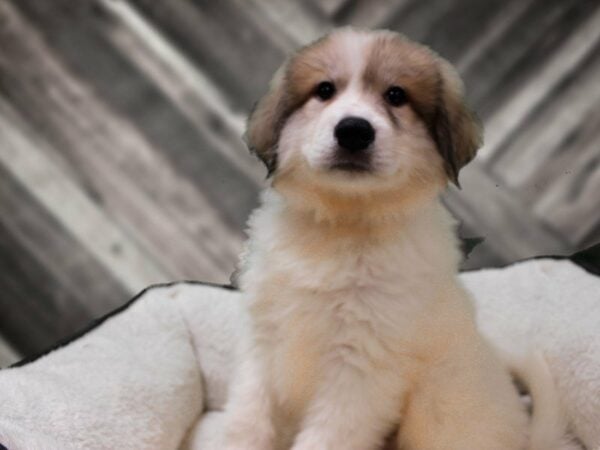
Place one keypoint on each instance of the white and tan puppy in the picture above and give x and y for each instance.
(358, 322)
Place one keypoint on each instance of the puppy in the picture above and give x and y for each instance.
(359, 324)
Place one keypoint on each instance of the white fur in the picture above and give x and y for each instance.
(363, 332)
(367, 310)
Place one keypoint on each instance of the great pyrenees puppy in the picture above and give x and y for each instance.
(360, 329)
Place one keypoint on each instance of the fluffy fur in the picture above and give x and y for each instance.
(359, 321)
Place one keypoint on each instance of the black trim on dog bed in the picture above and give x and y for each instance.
(588, 259)
(99, 321)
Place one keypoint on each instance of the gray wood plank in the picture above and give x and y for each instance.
(29, 319)
(486, 39)
(39, 234)
(330, 7)
(139, 106)
(300, 20)
(519, 107)
(49, 284)
(168, 216)
(190, 90)
(361, 13)
(572, 201)
(524, 47)
(25, 156)
(92, 59)
(245, 58)
(289, 24)
(451, 28)
(592, 238)
(492, 211)
(545, 134)
(8, 355)
(581, 142)
(413, 17)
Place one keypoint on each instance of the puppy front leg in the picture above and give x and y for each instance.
(353, 411)
(248, 411)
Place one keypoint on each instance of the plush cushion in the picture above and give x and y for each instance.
(154, 374)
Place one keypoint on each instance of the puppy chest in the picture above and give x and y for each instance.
(308, 336)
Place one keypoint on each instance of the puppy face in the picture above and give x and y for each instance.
(363, 111)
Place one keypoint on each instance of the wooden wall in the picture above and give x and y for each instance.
(121, 162)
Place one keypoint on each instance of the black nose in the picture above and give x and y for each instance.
(354, 134)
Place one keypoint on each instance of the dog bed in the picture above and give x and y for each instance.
(154, 373)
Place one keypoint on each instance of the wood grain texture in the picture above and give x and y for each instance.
(121, 154)
(134, 182)
(8, 355)
(49, 282)
(217, 35)
(540, 75)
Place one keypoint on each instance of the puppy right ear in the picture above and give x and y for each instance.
(266, 120)
(456, 130)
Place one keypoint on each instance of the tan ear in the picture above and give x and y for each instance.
(266, 120)
(455, 129)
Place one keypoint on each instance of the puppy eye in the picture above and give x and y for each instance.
(325, 90)
(396, 96)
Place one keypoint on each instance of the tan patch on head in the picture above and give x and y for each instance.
(396, 61)
(293, 84)
(435, 93)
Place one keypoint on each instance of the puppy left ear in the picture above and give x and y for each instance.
(265, 122)
(455, 129)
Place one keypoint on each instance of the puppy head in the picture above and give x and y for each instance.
(360, 110)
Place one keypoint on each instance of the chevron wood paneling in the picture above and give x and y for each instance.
(121, 154)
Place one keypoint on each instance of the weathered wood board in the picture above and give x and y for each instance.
(121, 121)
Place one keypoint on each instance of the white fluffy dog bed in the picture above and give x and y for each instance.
(154, 374)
